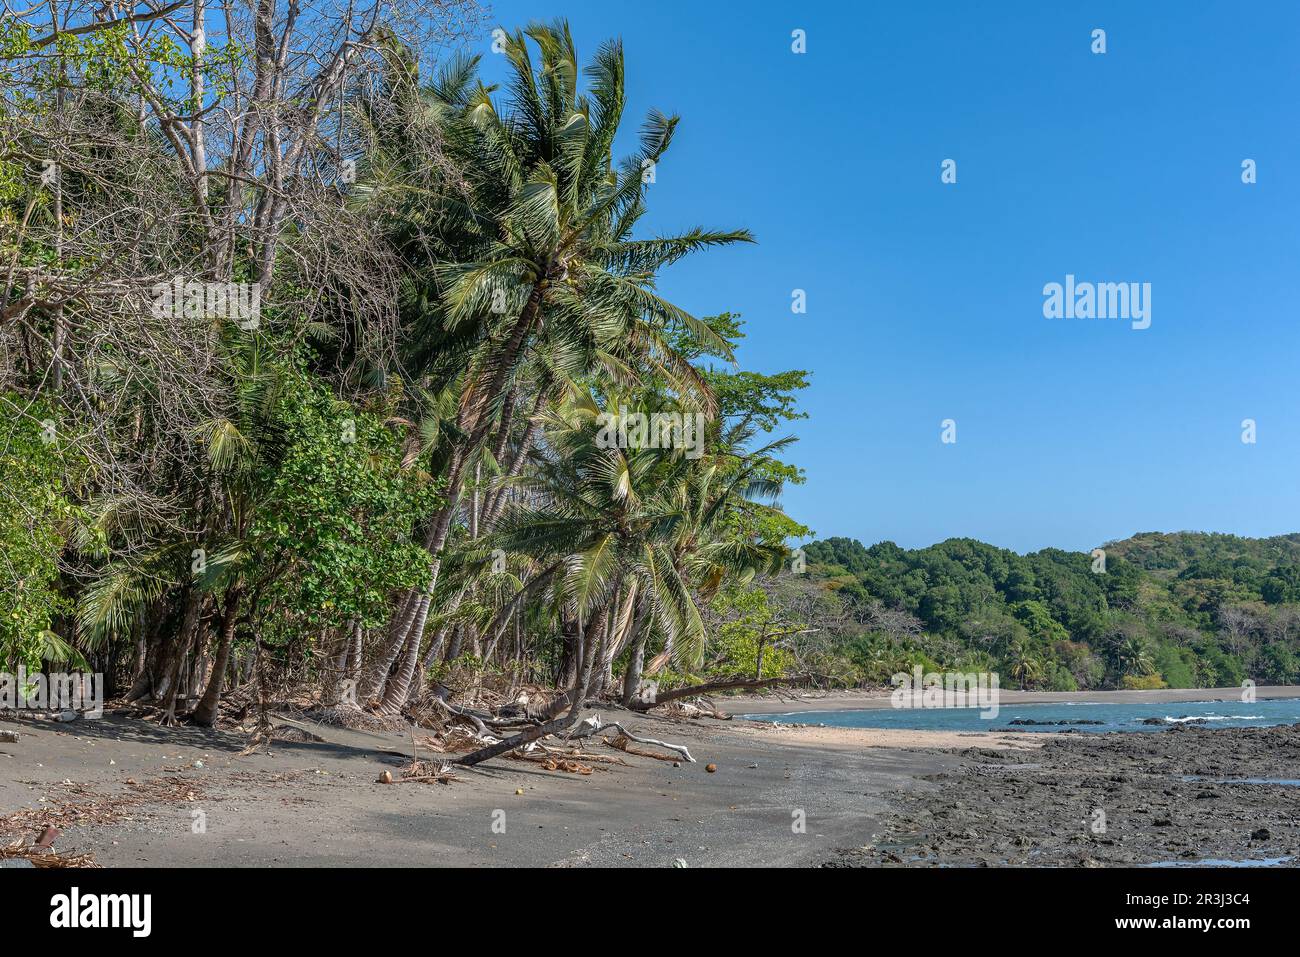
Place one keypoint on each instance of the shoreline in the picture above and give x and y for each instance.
(870, 700)
(127, 791)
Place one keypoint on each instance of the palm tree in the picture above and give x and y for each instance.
(711, 546)
(1132, 657)
(534, 258)
(630, 536)
(1026, 667)
(237, 445)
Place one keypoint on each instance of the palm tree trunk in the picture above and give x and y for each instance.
(430, 659)
(636, 661)
(710, 687)
(399, 685)
(456, 643)
(370, 683)
(569, 655)
(334, 692)
(475, 425)
(153, 661)
(497, 499)
(354, 652)
(206, 711)
(190, 624)
(496, 628)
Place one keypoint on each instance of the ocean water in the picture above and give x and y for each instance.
(1109, 716)
(1216, 862)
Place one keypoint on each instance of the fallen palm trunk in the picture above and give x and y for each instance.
(730, 684)
(483, 721)
(540, 753)
(573, 699)
(516, 741)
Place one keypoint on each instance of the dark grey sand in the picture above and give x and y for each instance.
(317, 804)
(127, 791)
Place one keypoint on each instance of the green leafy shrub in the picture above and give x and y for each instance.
(1142, 682)
(35, 516)
(334, 521)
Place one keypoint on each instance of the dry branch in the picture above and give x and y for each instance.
(593, 724)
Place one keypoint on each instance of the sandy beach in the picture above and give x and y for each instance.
(128, 792)
(136, 794)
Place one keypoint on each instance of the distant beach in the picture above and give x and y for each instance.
(856, 700)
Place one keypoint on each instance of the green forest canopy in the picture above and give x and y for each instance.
(1186, 609)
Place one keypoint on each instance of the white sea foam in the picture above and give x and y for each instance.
(1213, 717)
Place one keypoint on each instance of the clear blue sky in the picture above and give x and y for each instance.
(925, 300)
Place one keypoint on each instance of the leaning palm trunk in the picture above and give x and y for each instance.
(496, 498)
(399, 685)
(726, 684)
(415, 609)
(632, 676)
(496, 628)
(658, 662)
(429, 660)
(476, 424)
(370, 682)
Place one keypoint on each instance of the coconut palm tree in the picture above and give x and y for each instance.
(630, 536)
(1132, 657)
(534, 256)
(1026, 666)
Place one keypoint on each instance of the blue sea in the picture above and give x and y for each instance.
(1111, 716)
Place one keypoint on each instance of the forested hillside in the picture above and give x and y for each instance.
(1184, 610)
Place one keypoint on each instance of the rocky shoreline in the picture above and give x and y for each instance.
(1181, 796)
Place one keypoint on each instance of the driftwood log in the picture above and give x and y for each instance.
(590, 726)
